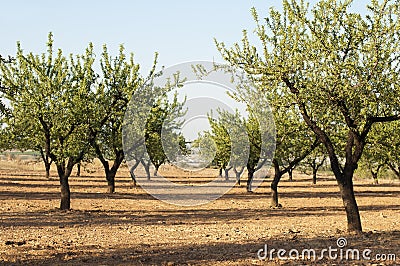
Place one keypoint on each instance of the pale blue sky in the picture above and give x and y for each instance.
(179, 30)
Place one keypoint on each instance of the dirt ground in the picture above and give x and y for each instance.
(132, 228)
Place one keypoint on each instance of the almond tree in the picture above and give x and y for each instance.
(160, 133)
(221, 138)
(238, 141)
(141, 119)
(315, 160)
(52, 98)
(388, 145)
(289, 138)
(337, 67)
(21, 134)
(382, 149)
(294, 142)
(120, 80)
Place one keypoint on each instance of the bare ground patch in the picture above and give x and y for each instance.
(132, 228)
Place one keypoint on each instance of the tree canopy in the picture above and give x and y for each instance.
(52, 97)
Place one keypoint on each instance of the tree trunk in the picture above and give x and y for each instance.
(64, 171)
(147, 169)
(47, 166)
(65, 194)
(119, 157)
(274, 186)
(110, 172)
(315, 167)
(220, 172)
(78, 171)
(133, 178)
(375, 175)
(250, 176)
(314, 175)
(395, 171)
(156, 170)
(290, 172)
(345, 183)
(132, 172)
(110, 176)
(47, 162)
(274, 192)
(226, 170)
(238, 174)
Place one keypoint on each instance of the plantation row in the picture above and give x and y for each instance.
(60, 107)
(330, 76)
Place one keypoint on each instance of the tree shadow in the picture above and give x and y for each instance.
(166, 217)
(226, 252)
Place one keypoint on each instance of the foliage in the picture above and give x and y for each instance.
(338, 68)
(162, 142)
(120, 79)
(51, 101)
(315, 160)
(236, 141)
(382, 149)
(150, 123)
(206, 147)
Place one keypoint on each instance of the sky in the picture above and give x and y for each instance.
(179, 31)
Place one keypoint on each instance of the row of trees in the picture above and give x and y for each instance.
(330, 76)
(60, 107)
(292, 140)
(338, 71)
(383, 150)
